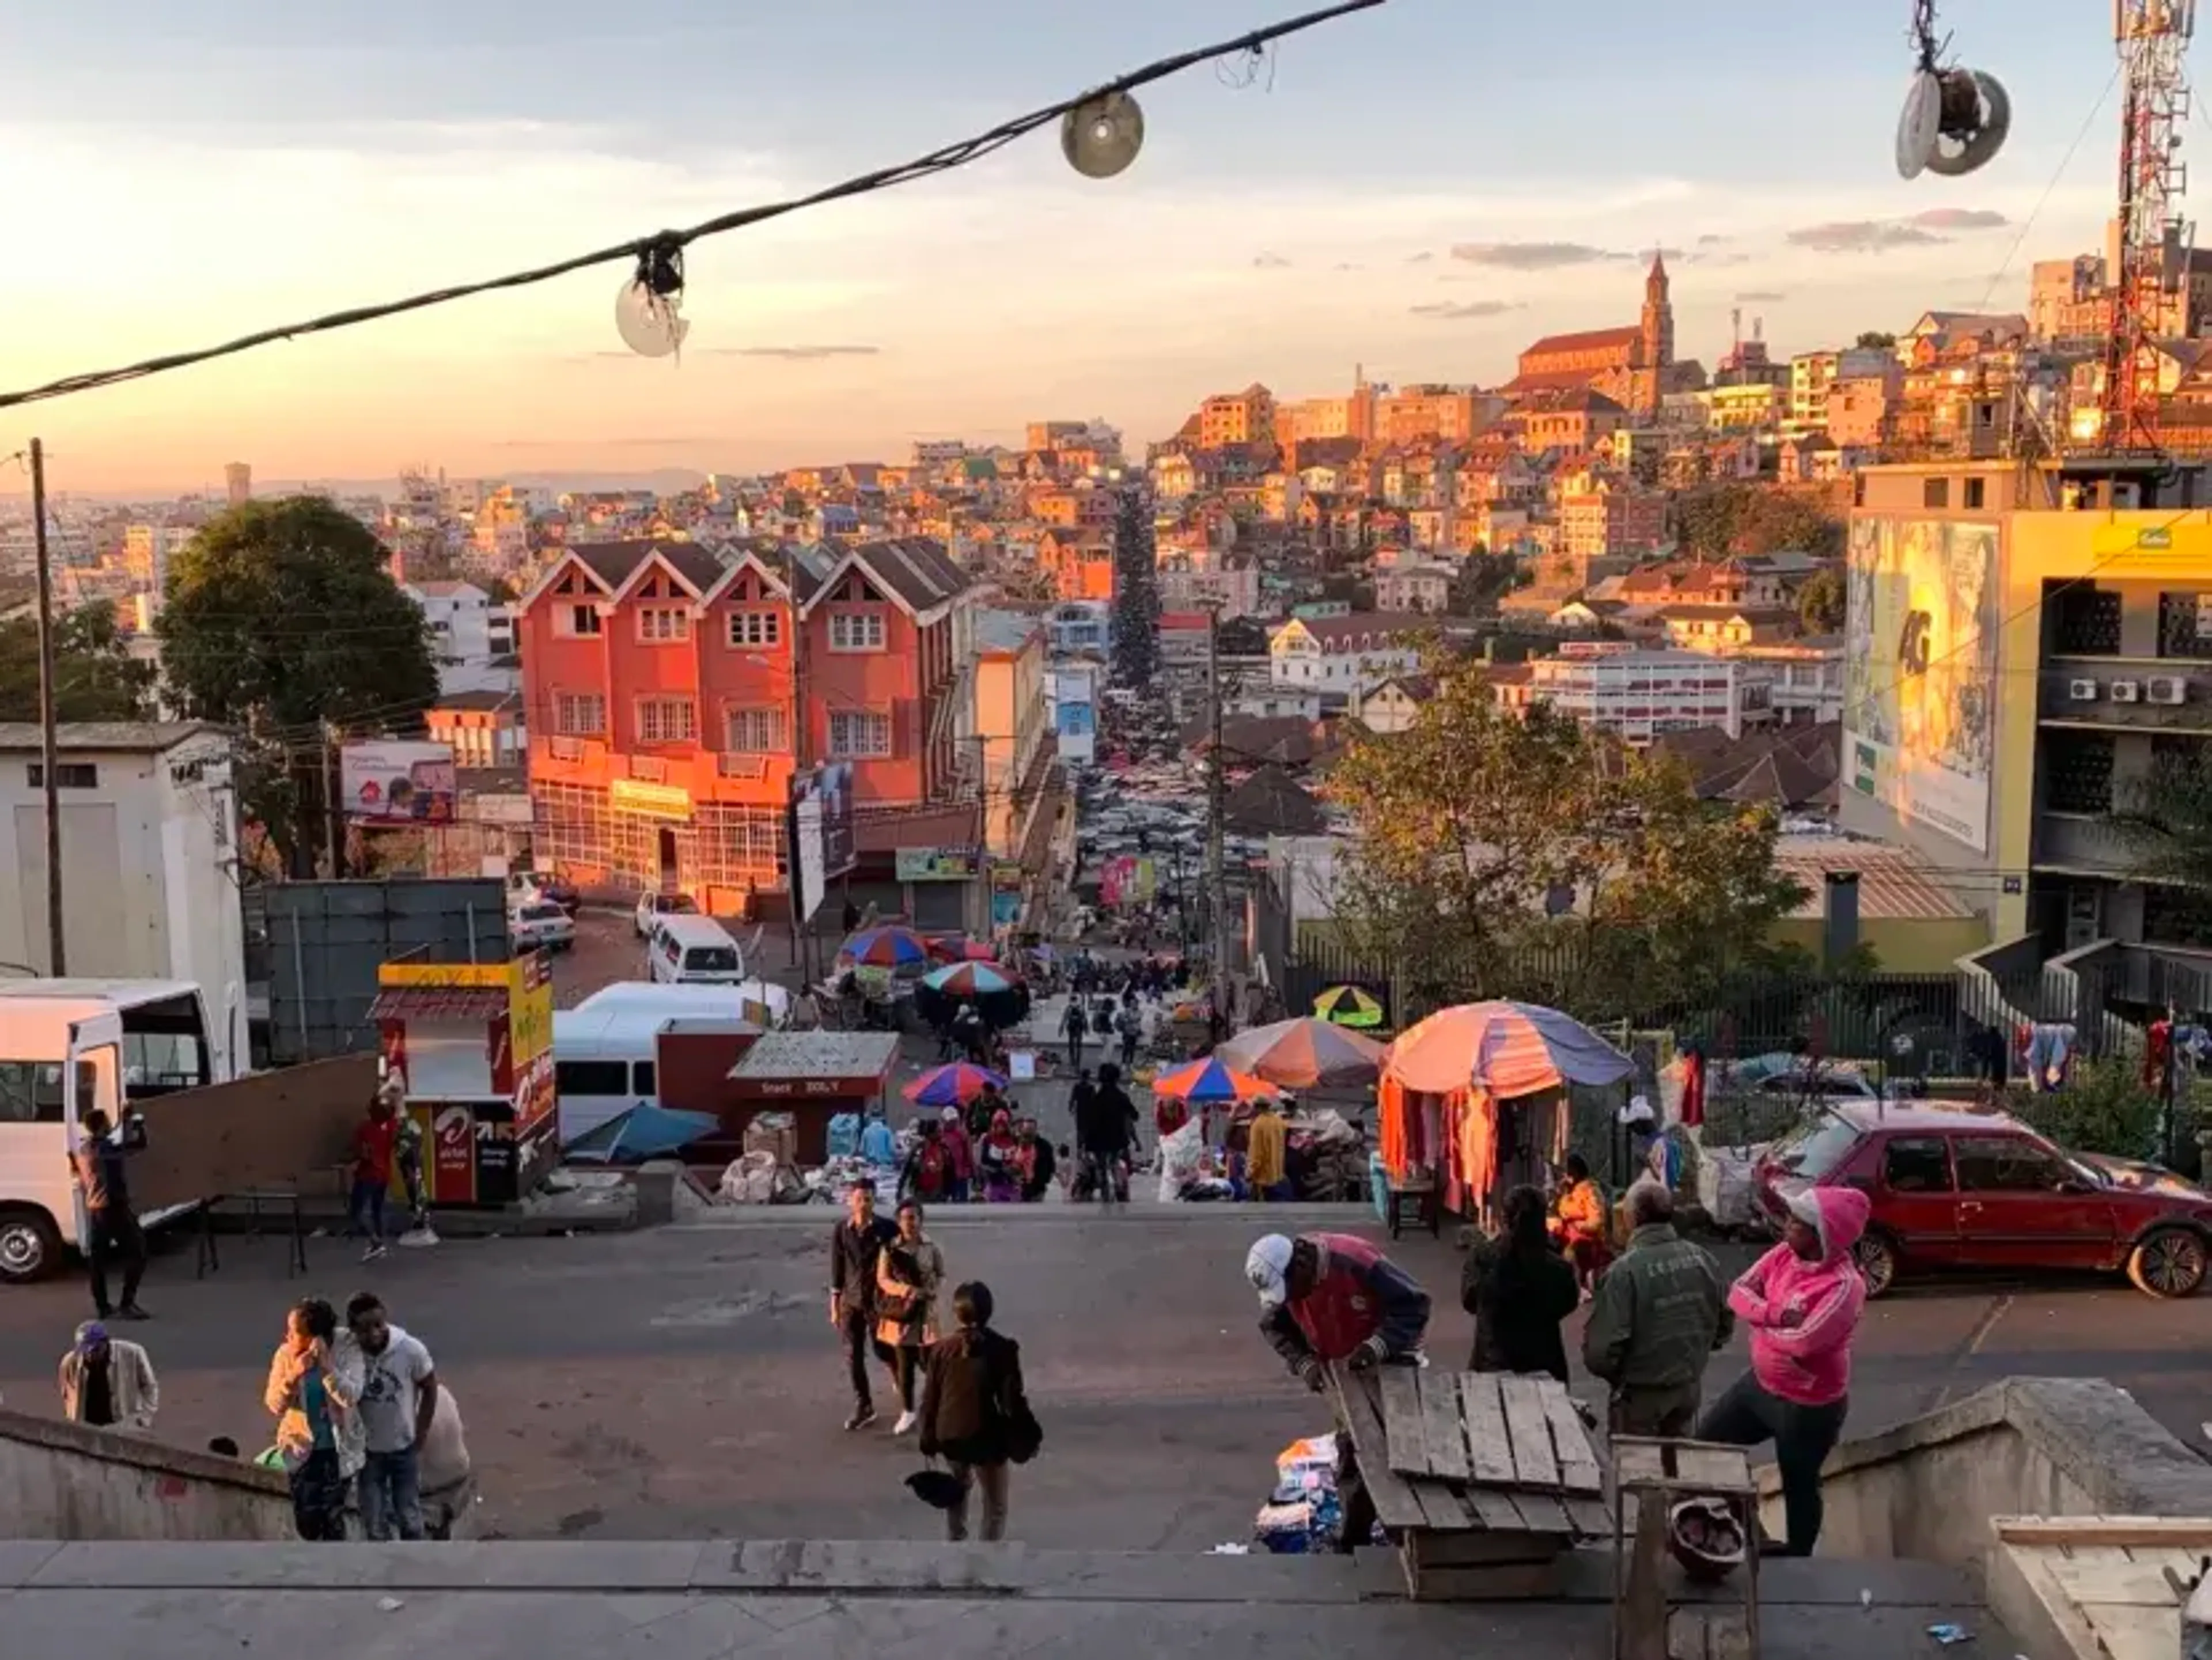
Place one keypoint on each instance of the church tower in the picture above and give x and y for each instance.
(1657, 339)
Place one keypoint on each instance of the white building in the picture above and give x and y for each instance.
(1636, 694)
(149, 862)
(1340, 657)
(469, 636)
(1805, 677)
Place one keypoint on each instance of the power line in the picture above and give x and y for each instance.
(663, 246)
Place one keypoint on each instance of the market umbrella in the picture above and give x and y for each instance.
(1504, 1049)
(954, 1085)
(1348, 1005)
(1208, 1080)
(968, 980)
(884, 948)
(643, 1132)
(1303, 1053)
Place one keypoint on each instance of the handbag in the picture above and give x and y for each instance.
(1025, 1435)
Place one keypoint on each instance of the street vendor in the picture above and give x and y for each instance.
(1326, 1298)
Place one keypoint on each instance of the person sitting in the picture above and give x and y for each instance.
(1578, 1222)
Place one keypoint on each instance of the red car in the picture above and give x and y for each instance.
(1956, 1188)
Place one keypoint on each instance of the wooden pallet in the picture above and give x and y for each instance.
(2102, 1587)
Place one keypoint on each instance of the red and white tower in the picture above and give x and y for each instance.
(2149, 275)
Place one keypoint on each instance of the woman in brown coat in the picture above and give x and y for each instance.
(908, 1272)
(974, 1413)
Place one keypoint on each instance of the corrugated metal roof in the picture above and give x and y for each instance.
(1894, 885)
(429, 1004)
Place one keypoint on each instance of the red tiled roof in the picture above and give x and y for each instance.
(1586, 340)
(459, 1004)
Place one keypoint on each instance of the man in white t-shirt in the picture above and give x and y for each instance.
(399, 1398)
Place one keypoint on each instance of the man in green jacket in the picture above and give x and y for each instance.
(1660, 1312)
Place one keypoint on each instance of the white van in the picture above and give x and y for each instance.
(694, 950)
(694, 1002)
(67, 1046)
(603, 1064)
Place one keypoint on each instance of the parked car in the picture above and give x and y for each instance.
(541, 925)
(652, 907)
(1953, 1187)
(525, 887)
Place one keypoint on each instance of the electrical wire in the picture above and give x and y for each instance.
(661, 244)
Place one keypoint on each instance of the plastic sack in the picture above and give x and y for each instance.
(1312, 1452)
(844, 1134)
(750, 1178)
(1726, 1187)
(1179, 1156)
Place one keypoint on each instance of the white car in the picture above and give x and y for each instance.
(652, 907)
(541, 926)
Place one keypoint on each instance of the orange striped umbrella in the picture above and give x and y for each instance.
(1502, 1048)
(1208, 1080)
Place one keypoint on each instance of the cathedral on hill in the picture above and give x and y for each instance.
(1633, 366)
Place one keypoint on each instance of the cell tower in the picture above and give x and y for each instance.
(2151, 254)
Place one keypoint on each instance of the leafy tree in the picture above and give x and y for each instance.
(1715, 520)
(1483, 579)
(1242, 636)
(282, 621)
(1136, 591)
(1872, 340)
(2165, 825)
(1497, 857)
(1822, 601)
(95, 677)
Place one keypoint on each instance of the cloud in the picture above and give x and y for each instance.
(794, 354)
(1528, 256)
(1959, 219)
(1861, 236)
(1421, 259)
(1711, 240)
(1754, 296)
(1347, 265)
(1445, 311)
(1270, 262)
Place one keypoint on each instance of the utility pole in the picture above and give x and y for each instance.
(1216, 786)
(802, 927)
(49, 738)
(331, 795)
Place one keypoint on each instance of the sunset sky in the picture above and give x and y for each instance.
(1421, 189)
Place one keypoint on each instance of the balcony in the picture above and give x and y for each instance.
(2149, 695)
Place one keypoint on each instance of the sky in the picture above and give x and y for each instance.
(1419, 190)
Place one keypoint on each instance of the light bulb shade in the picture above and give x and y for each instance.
(1101, 136)
(649, 323)
(1977, 117)
(1918, 123)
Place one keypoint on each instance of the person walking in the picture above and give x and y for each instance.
(910, 1270)
(1130, 1024)
(975, 1413)
(107, 1383)
(1038, 1162)
(399, 1396)
(998, 1160)
(1102, 1134)
(407, 1155)
(926, 1174)
(1519, 1290)
(1266, 1154)
(1802, 1302)
(1074, 1027)
(854, 1245)
(959, 1157)
(314, 1390)
(1659, 1314)
(112, 1230)
(375, 1140)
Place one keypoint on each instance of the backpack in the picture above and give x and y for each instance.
(929, 1169)
(1101, 1021)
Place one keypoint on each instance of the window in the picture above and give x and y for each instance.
(662, 625)
(68, 776)
(576, 621)
(856, 631)
(641, 1078)
(2007, 1164)
(667, 721)
(756, 731)
(580, 714)
(1975, 491)
(755, 628)
(590, 1077)
(30, 1092)
(1935, 492)
(859, 735)
(1916, 1165)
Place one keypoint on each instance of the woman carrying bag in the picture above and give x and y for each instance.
(974, 1413)
(908, 1271)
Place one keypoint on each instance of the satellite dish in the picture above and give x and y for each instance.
(1976, 116)
(648, 322)
(1101, 136)
(1919, 124)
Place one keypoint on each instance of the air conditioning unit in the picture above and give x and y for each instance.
(2082, 691)
(2167, 689)
(2126, 691)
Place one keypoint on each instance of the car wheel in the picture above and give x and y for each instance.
(1876, 1255)
(2171, 1262)
(30, 1245)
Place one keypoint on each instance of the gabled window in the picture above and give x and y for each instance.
(663, 625)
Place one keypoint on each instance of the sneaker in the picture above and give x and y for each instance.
(373, 1252)
(132, 1311)
(861, 1418)
(906, 1420)
(418, 1238)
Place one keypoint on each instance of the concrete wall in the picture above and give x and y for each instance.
(2028, 1447)
(62, 1480)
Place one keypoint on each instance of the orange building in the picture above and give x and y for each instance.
(1079, 562)
(659, 678)
(1238, 417)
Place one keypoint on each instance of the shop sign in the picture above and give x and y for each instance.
(935, 864)
(653, 800)
(447, 976)
(452, 1156)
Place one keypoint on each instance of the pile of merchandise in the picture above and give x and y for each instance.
(1302, 1515)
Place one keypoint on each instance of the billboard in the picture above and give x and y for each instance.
(936, 864)
(388, 782)
(821, 831)
(1921, 686)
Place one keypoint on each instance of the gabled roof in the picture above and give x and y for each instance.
(915, 573)
(1273, 802)
(1587, 340)
(697, 569)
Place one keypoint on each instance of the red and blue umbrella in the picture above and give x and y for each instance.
(885, 948)
(954, 1085)
(968, 980)
(1208, 1080)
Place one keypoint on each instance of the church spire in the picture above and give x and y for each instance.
(1655, 284)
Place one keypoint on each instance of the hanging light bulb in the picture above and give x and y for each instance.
(645, 311)
(1101, 136)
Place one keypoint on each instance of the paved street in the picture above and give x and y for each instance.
(684, 1384)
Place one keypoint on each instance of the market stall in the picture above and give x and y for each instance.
(813, 1076)
(1472, 1100)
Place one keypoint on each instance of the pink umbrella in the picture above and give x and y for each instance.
(1504, 1049)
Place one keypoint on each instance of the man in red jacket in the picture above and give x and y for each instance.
(1333, 1297)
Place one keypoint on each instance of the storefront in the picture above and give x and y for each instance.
(473, 1042)
(940, 884)
(813, 1076)
(636, 833)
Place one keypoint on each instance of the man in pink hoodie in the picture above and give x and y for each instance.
(1801, 1303)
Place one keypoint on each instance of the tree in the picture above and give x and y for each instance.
(1498, 857)
(1715, 521)
(1872, 340)
(1483, 579)
(2165, 825)
(281, 621)
(1242, 636)
(1823, 601)
(95, 677)
(1136, 591)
